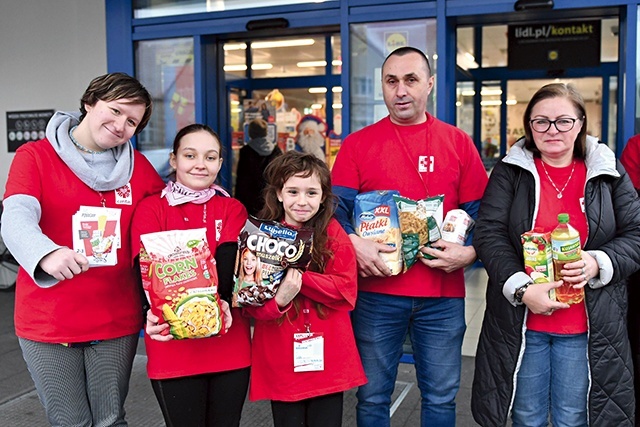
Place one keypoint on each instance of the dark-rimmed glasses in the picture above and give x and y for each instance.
(564, 124)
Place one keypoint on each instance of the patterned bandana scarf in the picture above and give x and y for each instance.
(178, 194)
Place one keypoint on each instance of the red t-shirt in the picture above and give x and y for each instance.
(178, 358)
(102, 303)
(419, 161)
(272, 374)
(572, 320)
(630, 159)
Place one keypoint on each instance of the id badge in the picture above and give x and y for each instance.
(308, 352)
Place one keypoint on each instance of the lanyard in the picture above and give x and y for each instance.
(103, 201)
(408, 154)
(306, 316)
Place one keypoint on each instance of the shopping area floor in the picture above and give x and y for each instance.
(19, 405)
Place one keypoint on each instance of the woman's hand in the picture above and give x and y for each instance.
(226, 314)
(157, 332)
(289, 287)
(579, 272)
(64, 263)
(536, 298)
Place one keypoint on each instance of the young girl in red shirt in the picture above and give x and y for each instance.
(303, 351)
(198, 382)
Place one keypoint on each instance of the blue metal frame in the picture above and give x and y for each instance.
(207, 28)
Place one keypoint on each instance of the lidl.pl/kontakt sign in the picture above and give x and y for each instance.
(554, 46)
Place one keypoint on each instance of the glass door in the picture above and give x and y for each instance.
(491, 98)
(293, 84)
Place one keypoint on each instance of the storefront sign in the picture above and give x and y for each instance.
(554, 46)
(24, 126)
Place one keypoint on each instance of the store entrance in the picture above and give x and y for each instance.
(491, 97)
(290, 82)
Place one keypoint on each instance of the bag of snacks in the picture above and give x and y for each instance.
(420, 222)
(376, 219)
(180, 281)
(265, 250)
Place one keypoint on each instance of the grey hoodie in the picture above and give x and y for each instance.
(21, 213)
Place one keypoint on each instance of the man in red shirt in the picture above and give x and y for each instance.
(420, 156)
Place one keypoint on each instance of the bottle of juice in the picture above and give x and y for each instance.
(565, 246)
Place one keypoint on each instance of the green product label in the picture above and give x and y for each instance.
(566, 250)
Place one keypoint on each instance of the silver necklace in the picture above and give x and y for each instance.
(554, 184)
(82, 147)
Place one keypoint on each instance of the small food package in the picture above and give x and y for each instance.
(420, 222)
(180, 281)
(376, 219)
(456, 226)
(538, 257)
(265, 250)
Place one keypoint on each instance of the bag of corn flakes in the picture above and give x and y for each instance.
(180, 281)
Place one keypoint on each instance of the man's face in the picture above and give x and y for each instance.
(406, 85)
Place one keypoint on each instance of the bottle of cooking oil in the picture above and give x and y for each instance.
(565, 246)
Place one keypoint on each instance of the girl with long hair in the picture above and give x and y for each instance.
(309, 314)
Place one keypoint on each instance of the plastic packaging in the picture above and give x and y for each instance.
(565, 245)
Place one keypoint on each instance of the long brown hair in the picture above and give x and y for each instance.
(557, 90)
(304, 165)
(277, 173)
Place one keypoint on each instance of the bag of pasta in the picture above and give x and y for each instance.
(376, 219)
(180, 281)
(265, 250)
(420, 222)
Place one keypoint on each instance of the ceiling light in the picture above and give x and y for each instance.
(491, 92)
(470, 57)
(468, 92)
(336, 89)
(491, 103)
(243, 67)
(337, 106)
(265, 66)
(270, 44)
(316, 106)
(305, 64)
(239, 67)
(336, 63)
(511, 102)
(317, 90)
(235, 46)
(282, 43)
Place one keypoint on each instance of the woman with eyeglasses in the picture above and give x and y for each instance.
(539, 360)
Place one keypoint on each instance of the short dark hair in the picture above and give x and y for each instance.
(402, 51)
(257, 128)
(557, 90)
(114, 86)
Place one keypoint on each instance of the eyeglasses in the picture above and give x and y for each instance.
(562, 125)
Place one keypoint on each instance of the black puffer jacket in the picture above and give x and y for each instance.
(507, 210)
